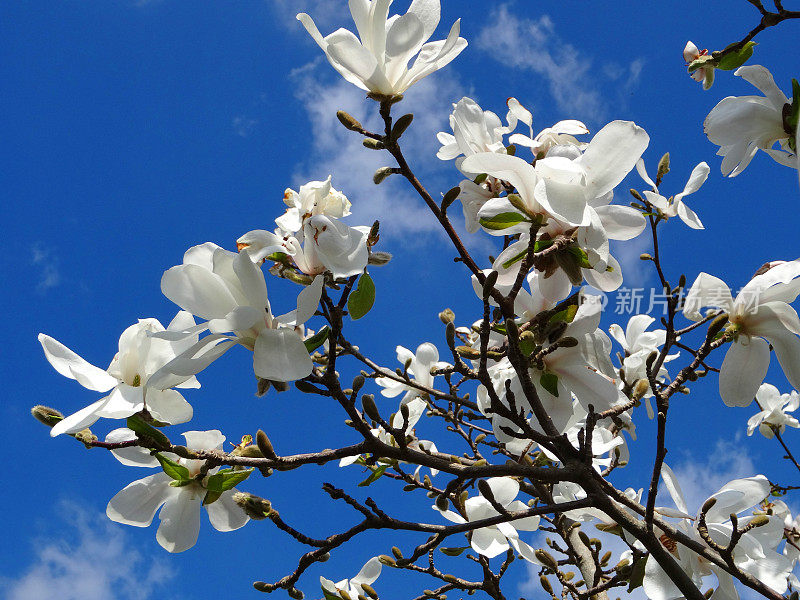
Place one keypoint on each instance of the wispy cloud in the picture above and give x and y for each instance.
(90, 558)
(572, 77)
(243, 126)
(48, 264)
(337, 151)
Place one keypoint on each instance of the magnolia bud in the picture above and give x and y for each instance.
(396, 552)
(759, 521)
(442, 503)
(640, 389)
(636, 195)
(358, 382)
(645, 256)
(381, 174)
(368, 402)
(387, 560)
(379, 258)
(46, 415)
(265, 445)
(545, 584)
(488, 284)
(251, 452)
(447, 316)
(295, 593)
(716, 326)
(450, 196)
(401, 125)
(546, 559)
(485, 489)
(567, 342)
(256, 508)
(370, 590)
(86, 437)
(373, 144)
(450, 334)
(708, 504)
(348, 121)
(663, 166)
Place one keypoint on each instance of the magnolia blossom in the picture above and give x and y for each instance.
(138, 502)
(759, 314)
(774, 411)
(419, 365)
(378, 61)
(314, 198)
(229, 290)
(741, 125)
(495, 539)
(474, 131)
(675, 205)
(692, 55)
(352, 587)
(128, 376)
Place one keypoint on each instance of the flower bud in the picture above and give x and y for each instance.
(447, 316)
(358, 382)
(450, 334)
(442, 503)
(546, 559)
(295, 593)
(759, 521)
(368, 402)
(645, 256)
(265, 445)
(256, 508)
(387, 560)
(46, 415)
(640, 389)
(486, 491)
(636, 195)
(396, 552)
(381, 175)
(401, 125)
(663, 166)
(545, 584)
(716, 326)
(488, 284)
(379, 258)
(370, 590)
(708, 504)
(567, 342)
(373, 144)
(251, 452)
(348, 121)
(86, 437)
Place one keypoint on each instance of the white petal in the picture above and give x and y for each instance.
(204, 440)
(136, 504)
(133, 456)
(180, 520)
(79, 420)
(743, 370)
(280, 355)
(69, 364)
(198, 290)
(368, 573)
(504, 489)
(612, 154)
(168, 406)
(706, 291)
(489, 542)
(225, 514)
(621, 222)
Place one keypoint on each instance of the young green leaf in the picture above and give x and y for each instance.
(316, 340)
(143, 429)
(363, 297)
(549, 382)
(502, 221)
(734, 60)
(173, 469)
(374, 476)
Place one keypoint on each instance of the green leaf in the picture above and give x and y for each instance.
(637, 574)
(316, 340)
(173, 469)
(502, 221)
(454, 551)
(537, 247)
(140, 427)
(211, 497)
(734, 60)
(580, 255)
(374, 476)
(363, 297)
(329, 596)
(279, 257)
(549, 382)
(227, 479)
(527, 346)
(566, 315)
(481, 178)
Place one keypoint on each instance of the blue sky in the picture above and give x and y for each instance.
(134, 130)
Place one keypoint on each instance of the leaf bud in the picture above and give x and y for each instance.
(605, 558)
(373, 144)
(387, 560)
(546, 559)
(488, 284)
(640, 389)
(368, 402)
(708, 504)
(379, 258)
(545, 584)
(450, 578)
(348, 121)
(645, 256)
(358, 382)
(262, 586)
(759, 521)
(256, 508)
(396, 552)
(468, 352)
(450, 334)
(480, 437)
(86, 437)
(370, 590)
(46, 415)
(450, 196)
(485, 489)
(295, 593)
(265, 445)
(651, 358)
(381, 175)
(401, 125)
(663, 166)
(447, 316)
(636, 195)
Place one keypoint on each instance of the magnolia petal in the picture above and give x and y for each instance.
(198, 290)
(612, 154)
(168, 406)
(368, 573)
(122, 402)
(136, 504)
(69, 364)
(621, 222)
(78, 421)
(204, 440)
(308, 300)
(706, 291)
(180, 520)
(689, 217)
(280, 355)
(674, 488)
(504, 489)
(133, 456)
(225, 514)
(743, 369)
(489, 542)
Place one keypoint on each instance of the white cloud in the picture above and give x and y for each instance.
(48, 264)
(89, 558)
(337, 151)
(243, 125)
(573, 81)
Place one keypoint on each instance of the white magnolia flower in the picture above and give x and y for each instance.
(419, 364)
(496, 539)
(352, 587)
(314, 198)
(706, 73)
(759, 314)
(378, 61)
(140, 356)
(774, 411)
(741, 125)
(138, 502)
(558, 186)
(474, 131)
(676, 206)
(229, 290)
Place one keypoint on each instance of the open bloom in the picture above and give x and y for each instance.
(774, 411)
(495, 539)
(137, 503)
(691, 54)
(229, 290)
(474, 130)
(378, 61)
(140, 356)
(352, 587)
(741, 125)
(314, 198)
(419, 365)
(759, 314)
(675, 205)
